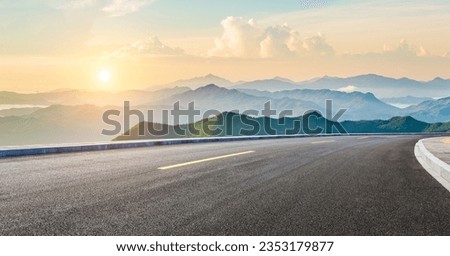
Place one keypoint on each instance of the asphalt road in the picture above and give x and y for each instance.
(306, 186)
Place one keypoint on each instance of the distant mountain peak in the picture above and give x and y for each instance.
(312, 113)
(403, 119)
(210, 87)
(63, 90)
(283, 79)
(215, 89)
(405, 79)
(368, 95)
(197, 82)
(210, 75)
(373, 75)
(438, 79)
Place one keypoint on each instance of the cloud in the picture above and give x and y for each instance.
(242, 38)
(309, 4)
(146, 48)
(122, 7)
(348, 89)
(317, 45)
(77, 4)
(280, 41)
(73, 4)
(404, 49)
(113, 8)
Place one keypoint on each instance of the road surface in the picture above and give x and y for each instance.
(370, 185)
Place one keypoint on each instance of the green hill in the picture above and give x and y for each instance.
(395, 124)
(233, 124)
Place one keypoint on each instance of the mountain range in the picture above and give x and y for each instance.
(65, 124)
(68, 115)
(197, 82)
(233, 124)
(404, 102)
(223, 99)
(380, 86)
(54, 124)
(431, 110)
(99, 98)
(360, 106)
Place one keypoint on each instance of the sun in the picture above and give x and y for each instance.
(104, 76)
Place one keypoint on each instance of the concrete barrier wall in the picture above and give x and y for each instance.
(83, 147)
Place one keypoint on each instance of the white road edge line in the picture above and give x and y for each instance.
(323, 141)
(204, 160)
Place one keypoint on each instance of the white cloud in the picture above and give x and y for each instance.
(123, 7)
(308, 4)
(317, 45)
(146, 48)
(74, 4)
(404, 49)
(279, 41)
(422, 52)
(113, 8)
(242, 38)
(348, 89)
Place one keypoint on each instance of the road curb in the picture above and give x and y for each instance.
(433, 165)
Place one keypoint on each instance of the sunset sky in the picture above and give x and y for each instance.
(126, 44)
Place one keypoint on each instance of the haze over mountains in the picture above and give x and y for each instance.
(431, 110)
(78, 97)
(55, 124)
(404, 102)
(67, 115)
(380, 86)
(383, 87)
(359, 105)
(222, 99)
(197, 82)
